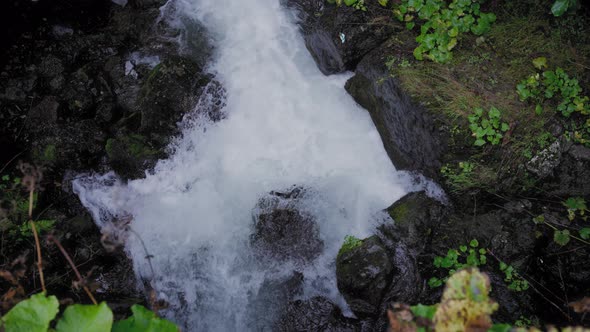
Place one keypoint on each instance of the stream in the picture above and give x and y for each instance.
(286, 125)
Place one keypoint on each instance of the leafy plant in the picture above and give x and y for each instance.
(562, 236)
(515, 281)
(465, 256)
(356, 4)
(576, 205)
(36, 313)
(487, 129)
(443, 24)
(561, 6)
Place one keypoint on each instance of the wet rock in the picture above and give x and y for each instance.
(170, 91)
(45, 112)
(547, 160)
(50, 66)
(338, 37)
(272, 301)
(315, 314)
(131, 154)
(415, 217)
(408, 131)
(572, 176)
(283, 231)
(363, 273)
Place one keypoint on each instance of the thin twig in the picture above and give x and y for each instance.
(34, 228)
(11, 160)
(51, 238)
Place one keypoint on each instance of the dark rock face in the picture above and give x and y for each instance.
(283, 232)
(338, 37)
(93, 86)
(409, 133)
(315, 314)
(363, 273)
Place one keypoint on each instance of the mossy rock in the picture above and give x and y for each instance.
(129, 155)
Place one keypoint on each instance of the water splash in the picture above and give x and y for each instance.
(286, 124)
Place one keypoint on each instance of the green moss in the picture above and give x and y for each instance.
(350, 242)
(400, 211)
(132, 145)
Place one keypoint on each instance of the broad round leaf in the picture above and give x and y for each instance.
(32, 315)
(87, 318)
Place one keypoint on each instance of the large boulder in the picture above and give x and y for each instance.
(338, 37)
(315, 314)
(283, 231)
(409, 132)
(363, 272)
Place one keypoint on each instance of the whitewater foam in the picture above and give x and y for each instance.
(286, 124)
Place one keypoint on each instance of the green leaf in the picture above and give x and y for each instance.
(32, 315)
(426, 311)
(479, 142)
(87, 318)
(585, 233)
(463, 248)
(383, 2)
(562, 237)
(559, 7)
(144, 320)
(540, 62)
(500, 328)
(474, 243)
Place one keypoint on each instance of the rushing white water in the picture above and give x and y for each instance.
(286, 124)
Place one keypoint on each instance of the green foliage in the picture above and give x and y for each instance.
(25, 231)
(87, 318)
(487, 129)
(144, 320)
(350, 242)
(585, 233)
(465, 256)
(443, 24)
(36, 313)
(465, 302)
(561, 237)
(576, 205)
(31, 315)
(557, 85)
(357, 4)
(514, 280)
(561, 6)
(424, 311)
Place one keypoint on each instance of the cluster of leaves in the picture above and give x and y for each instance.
(465, 256)
(36, 314)
(350, 242)
(357, 4)
(488, 129)
(15, 216)
(443, 24)
(561, 6)
(465, 306)
(576, 206)
(514, 280)
(459, 179)
(556, 84)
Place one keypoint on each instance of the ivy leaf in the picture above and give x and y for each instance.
(474, 243)
(144, 320)
(585, 233)
(32, 315)
(562, 237)
(87, 318)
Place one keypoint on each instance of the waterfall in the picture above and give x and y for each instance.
(286, 124)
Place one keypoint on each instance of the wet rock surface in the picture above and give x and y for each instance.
(283, 231)
(338, 39)
(95, 86)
